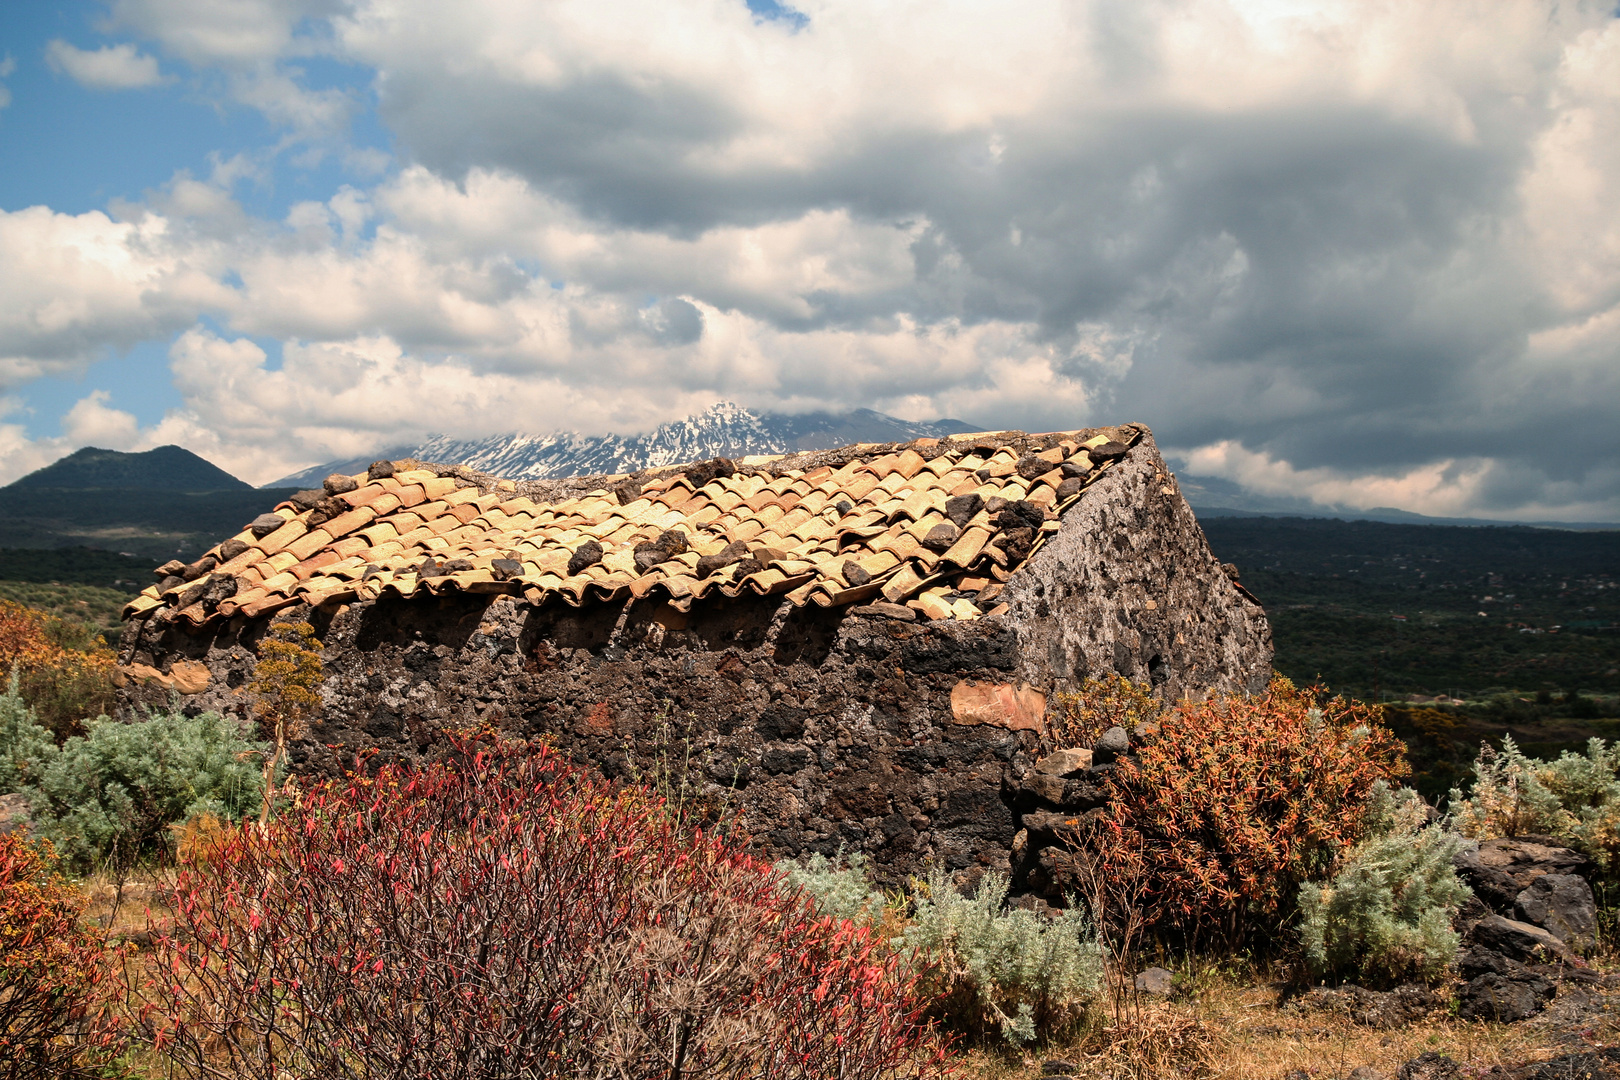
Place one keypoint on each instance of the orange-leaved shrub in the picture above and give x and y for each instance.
(1110, 700)
(499, 913)
(1233, 802)
(56, 984)
(64, 669)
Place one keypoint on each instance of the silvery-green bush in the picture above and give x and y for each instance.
(988, 967)
(1010, 968)
(111, 794)
(23, 739)
(1575, 798)
(1385, 917)
(839, 886)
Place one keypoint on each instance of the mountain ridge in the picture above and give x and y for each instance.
(164, 468)
(155, 504)
(723, 430)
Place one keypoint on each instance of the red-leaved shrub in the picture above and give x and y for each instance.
(55, 974)
(1235, 801)
(501, 914)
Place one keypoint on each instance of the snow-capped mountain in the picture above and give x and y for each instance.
(722, 430)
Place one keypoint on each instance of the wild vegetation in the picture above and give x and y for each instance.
(496, 911)
(109, 798)
(1385, 917)
(1234, 802)
(984, 967)
(62, 669)
(57, 978)
(1575, 798)
(284, 692)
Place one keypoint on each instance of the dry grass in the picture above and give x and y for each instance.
(1222, 1024)
(129, 919)
(1231, 1026)
(126, 916)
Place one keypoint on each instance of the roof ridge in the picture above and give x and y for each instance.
(937, 523)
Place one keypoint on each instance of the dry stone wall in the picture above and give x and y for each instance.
(1129, 585)
(866, 728)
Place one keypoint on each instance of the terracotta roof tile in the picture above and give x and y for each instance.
(871, 522)
(282, 537)
(351, 545)
(244, 560)
(306, 569)
(278, 562)
(281, 582)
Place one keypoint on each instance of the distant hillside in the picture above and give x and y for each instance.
(722, 430)
(167, 468)
(153, 505)
(75, 566)
(1377, 609)
(1213, 497)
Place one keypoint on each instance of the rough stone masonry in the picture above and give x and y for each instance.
(865, 726)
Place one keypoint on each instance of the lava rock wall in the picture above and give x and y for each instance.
(866, 728)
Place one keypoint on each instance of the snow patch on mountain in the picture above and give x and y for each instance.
(722, 430)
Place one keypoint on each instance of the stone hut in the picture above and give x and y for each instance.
(861, 648)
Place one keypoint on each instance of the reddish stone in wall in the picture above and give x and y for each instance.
(1016, 708)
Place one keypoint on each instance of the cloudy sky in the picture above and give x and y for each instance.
(1364, 252)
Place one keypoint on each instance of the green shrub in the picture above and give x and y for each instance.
(1575, 798)
(840, 891)
(1385, 917)
(992, 967)
(111, 794)
(22, 739)
(986, 967)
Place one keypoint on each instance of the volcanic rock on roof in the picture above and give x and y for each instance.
(866, 522)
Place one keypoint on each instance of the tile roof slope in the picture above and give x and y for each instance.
(936, 524)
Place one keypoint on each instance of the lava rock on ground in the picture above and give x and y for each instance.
(1601, 1064)
(1563, 905)
(1156, 981)
(1520, 941)
(1499, 869)
(1429, 1066)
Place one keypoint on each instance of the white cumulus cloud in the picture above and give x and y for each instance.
(111, 67)
(76, 285)
(1367, 253)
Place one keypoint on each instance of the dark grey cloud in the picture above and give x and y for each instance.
(1334, 281)
(1350, 257)
(1323, 245)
